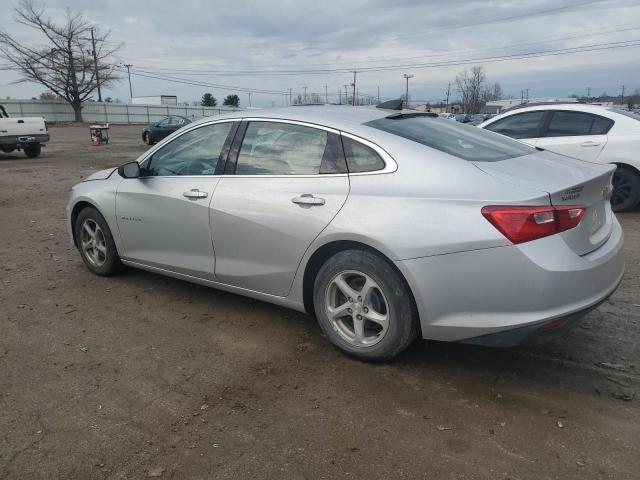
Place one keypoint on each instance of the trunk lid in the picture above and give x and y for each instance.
(568, 182)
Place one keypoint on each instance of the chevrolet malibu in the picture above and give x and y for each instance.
(388, 225)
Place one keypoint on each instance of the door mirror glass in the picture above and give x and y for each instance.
(129, 170)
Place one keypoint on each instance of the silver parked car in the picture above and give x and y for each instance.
(388, 225)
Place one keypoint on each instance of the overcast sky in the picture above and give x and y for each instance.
(242, 43)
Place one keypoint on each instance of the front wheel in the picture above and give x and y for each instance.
(95, 242)
(33, 150)
(364, 305)
(626, 190)
(147, 138)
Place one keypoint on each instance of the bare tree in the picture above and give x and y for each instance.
(66, 65)
(492, 92)
(469, 85)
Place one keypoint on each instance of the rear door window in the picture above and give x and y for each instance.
(572, 124)
(278, 148)
(521, 125)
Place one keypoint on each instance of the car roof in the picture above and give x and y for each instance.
(343, 117)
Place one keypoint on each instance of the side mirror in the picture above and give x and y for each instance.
(129, 170)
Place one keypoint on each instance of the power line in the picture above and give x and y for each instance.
(598, 32)
(491, 59)
(204, 84)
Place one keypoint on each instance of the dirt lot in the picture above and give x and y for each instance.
(141, 375)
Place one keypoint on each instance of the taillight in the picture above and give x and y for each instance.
(525, 223)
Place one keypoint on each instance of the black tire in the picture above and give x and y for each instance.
(33, 150)
(402, 327)
(108, 262)
(626, 189)
(147, 138)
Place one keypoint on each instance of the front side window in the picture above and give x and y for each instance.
(176, 121)
(164, 122)
(521, 125)
(275, 148)
(570, 124)
(463, 141)
(196, 152)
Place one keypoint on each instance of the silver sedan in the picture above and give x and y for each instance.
(387, 225)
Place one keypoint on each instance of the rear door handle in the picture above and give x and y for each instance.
(306, 199)
(194, 193)
(590, 144)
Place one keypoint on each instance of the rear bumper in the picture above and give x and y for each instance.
(24, 140)
(477, 293)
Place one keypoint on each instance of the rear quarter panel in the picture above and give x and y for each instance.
(622, 149)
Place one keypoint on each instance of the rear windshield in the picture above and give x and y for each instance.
(464, 141)
(626, 113)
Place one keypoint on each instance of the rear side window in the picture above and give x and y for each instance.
(275, 148)
(521, 125)
(463, 141)
(566, 124)
(361, 158)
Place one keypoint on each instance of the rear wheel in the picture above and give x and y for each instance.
(626, 190)
(364, 306)
(95, 242)
(33, 150)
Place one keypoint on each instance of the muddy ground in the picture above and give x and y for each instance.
(141, 375)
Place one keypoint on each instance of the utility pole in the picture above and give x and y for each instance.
(305, 95)
(446, 108)
(354, 88)
(406, 93)
(128, 65)
(289, 97)
(326, 94)
(588, 93)
(249, 93)
(521, 96)
(378, 94)
(340, 96)
(346, 95)
(622, 96)
(527, 97)
(95, 64)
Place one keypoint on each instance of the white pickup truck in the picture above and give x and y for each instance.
(22, 133)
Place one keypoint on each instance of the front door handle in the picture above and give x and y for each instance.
(590, 144)
(194, 193)
(308, 200)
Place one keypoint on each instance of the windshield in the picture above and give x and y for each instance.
(467, 142)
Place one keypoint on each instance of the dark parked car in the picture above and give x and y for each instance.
(463, 118)
(157, 131)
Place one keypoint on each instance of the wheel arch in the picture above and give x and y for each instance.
(623, 164)
(327, 250)
(75, 211)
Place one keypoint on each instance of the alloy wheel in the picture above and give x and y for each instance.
(93, 243)
(357, 308)
(622, 187)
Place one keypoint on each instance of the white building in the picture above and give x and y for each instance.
(155, 100)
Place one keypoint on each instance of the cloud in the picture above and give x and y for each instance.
(228, 35)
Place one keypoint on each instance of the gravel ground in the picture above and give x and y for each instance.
(145, 376)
